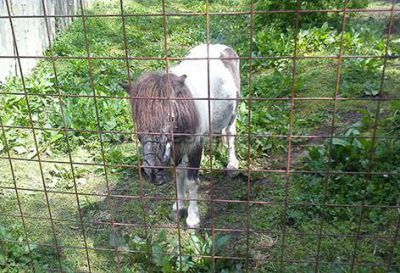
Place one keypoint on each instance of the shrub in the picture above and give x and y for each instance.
(15, 256)
(353, 154)
(165, 256)
(307, 20)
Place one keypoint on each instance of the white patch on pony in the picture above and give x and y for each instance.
(181, 175)
(233, 162)
(193, 219)
(222, 86)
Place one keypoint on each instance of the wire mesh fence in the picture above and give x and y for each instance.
(318, 184)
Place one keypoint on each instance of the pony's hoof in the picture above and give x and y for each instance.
(232, 173)
(194, 226)
(176, 215)
(232, 169)
(193, 223)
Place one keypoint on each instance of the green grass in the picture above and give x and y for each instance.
(310, 211)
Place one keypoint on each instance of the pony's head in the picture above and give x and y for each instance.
(158, 117)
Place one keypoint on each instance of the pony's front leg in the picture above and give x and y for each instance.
(178, 209)
(193, 219)
(233, 162)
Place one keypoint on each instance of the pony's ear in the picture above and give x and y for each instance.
(179, 84)
(182, 79)
(127, 86)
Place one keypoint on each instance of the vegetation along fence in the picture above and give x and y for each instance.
(318, 121)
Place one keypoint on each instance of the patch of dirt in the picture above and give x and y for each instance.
(350, 117)
(319, 135)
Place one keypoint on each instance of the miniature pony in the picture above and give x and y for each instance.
(175, 112)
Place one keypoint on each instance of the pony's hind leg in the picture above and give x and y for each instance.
(178, 209)
(233, 162)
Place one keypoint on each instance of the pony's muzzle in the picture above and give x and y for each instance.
(157, 177)
(160, 177)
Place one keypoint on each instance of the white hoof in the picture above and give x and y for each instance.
(193, 223)
(232, 168)
(233, 165)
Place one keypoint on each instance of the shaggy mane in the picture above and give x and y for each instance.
(151, 114)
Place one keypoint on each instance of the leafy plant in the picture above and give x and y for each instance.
(162, 253)
(318, 39)
(354, 153)
(361, 78)
(307, 20)
(16, 256)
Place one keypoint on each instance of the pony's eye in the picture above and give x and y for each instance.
(140, 137)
